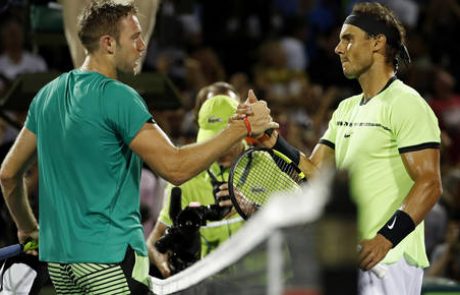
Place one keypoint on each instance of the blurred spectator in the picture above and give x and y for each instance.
(435, 227)
(210, 64)
(15, 59)
(71, 10)
(440, 25)
(451, 194)
(406, 10)
(445, 261)
(325, 68)
(420, 69)
(235, 28)
(293, 42)
(242, 84)
(281, 86)
(446, 105)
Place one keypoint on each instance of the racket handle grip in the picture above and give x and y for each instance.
(10, 251)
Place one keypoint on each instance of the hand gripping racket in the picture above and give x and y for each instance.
(13, 250)
(258, 173)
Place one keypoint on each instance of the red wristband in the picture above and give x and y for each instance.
(248, 125)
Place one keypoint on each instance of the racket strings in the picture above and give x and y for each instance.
(259, 175)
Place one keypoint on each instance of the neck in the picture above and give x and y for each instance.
(373, 80)
(99, 64)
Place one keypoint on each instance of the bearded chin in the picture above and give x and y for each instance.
(349, 76)
(137, 69)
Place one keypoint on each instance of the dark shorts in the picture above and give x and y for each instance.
(127, 277)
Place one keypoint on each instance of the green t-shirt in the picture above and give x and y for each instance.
(88, 176)
(368, 140)
(199, 189)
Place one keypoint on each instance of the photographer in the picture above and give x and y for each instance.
(215, 105)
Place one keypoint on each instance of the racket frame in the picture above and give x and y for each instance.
(235, 164)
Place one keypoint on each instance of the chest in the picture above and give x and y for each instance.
(363, 132)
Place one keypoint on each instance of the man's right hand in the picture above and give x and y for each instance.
(24, 237)
(257, 113)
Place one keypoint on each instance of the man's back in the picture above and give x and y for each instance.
(89, 178)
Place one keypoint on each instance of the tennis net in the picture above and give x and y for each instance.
(299, 243)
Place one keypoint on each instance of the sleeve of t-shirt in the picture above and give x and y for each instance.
(414, 125)
(125, 109)
(31, 119)
(330, 135)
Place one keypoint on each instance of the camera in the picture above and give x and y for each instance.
(182, 239)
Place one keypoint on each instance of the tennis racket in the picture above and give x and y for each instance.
(258, 173)
(13, 250)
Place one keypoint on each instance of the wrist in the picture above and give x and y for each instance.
(285, 148)
(238, 127)
(399, 226)
(28, 230)
(248, 126)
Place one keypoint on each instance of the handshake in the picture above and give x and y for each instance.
(255, 115)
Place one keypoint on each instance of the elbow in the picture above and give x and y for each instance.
(436, 189)
(175, 175)
(177, 178)
(439, 190)
(7, 176)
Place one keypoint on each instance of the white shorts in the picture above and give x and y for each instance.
(400, 278)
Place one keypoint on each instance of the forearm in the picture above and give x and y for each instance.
(195, 158)
(307, 166)
(422, 197)
(179, 164)
(15, 195)
(275, 141)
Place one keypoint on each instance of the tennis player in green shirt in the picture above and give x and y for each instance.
(89, 134)
(388, 139)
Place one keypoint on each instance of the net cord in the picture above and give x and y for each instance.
(283, 210)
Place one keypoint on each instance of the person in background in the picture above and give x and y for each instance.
(215, 105)
(71, 10)
(15, 59)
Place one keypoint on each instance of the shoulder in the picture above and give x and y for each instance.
(400, 93)
(118, 90)
(51, 86)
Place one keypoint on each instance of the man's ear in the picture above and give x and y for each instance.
(379, 42)
(107, 43)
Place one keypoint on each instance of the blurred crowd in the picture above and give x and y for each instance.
(284, 50)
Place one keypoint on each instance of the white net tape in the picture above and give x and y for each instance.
(283, 210)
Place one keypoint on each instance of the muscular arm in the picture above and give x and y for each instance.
(16, 163)
(179, 164)
(322, 155)
(423, 168)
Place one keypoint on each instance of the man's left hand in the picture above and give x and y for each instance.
(373, 251)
